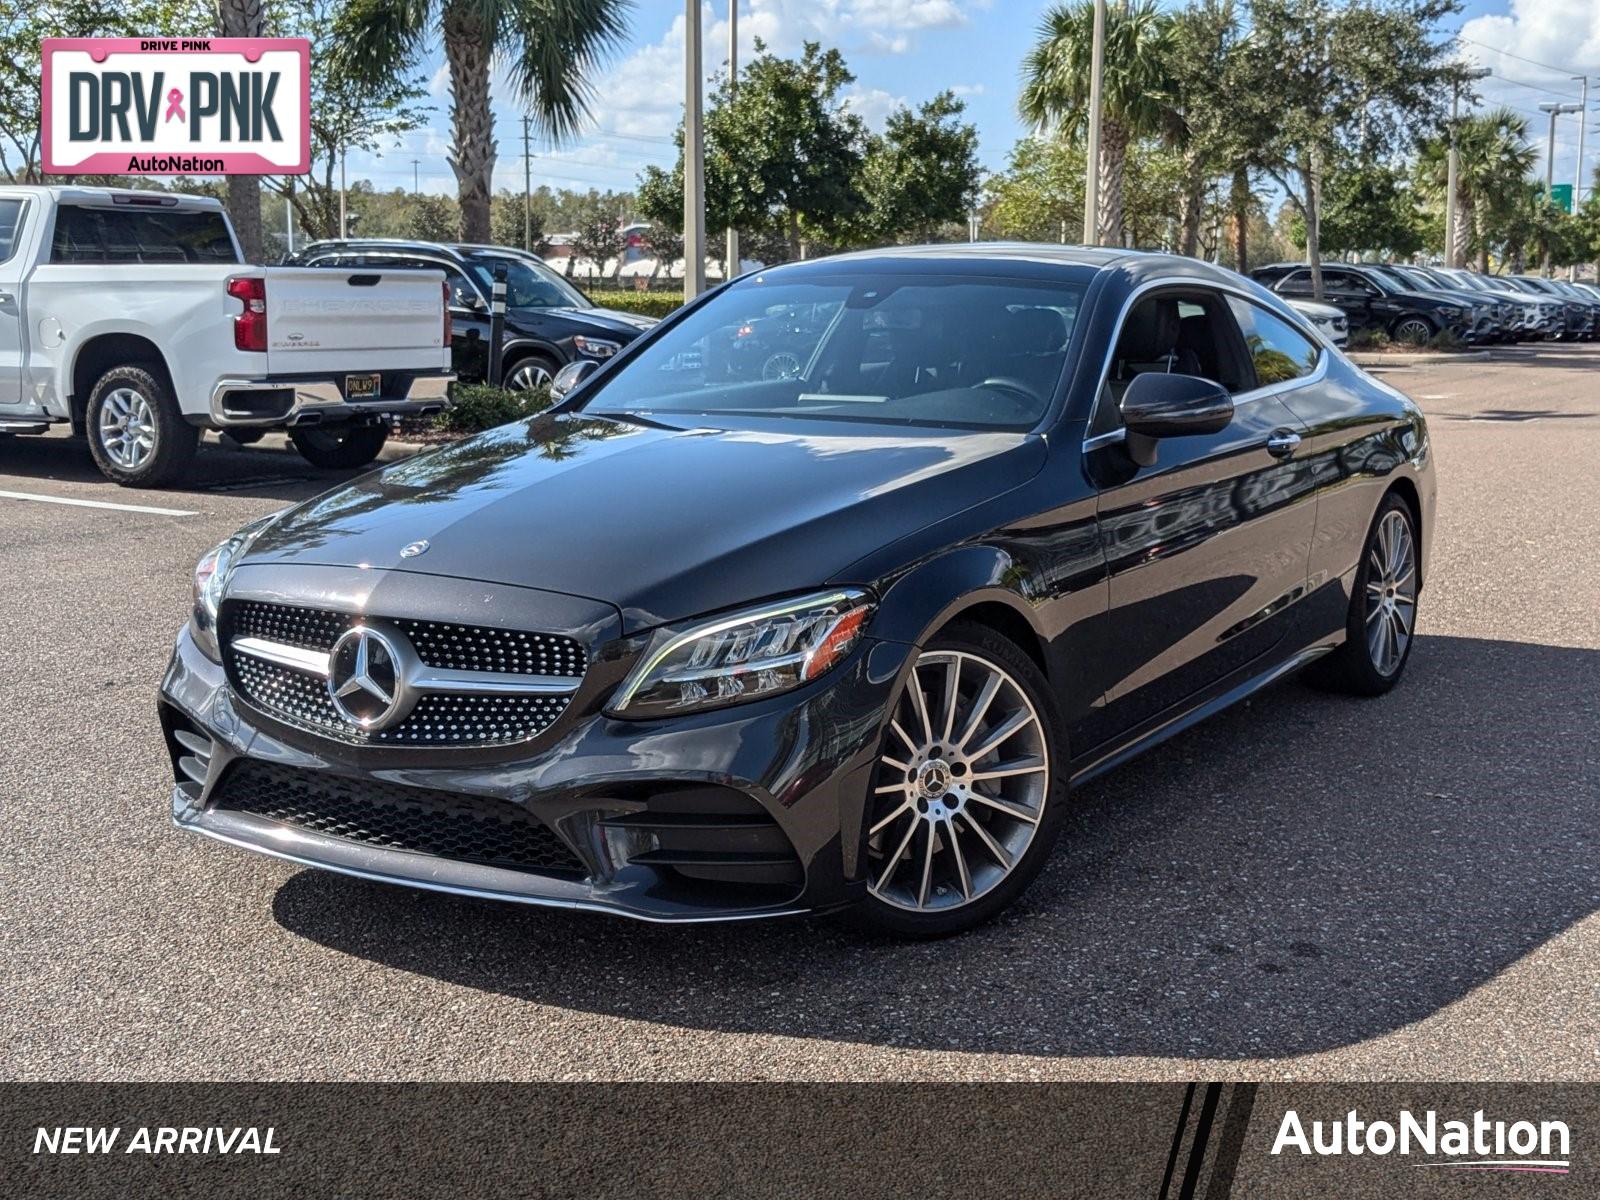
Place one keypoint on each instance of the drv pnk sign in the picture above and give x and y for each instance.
(177, 106)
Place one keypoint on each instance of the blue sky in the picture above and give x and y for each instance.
(905, 51)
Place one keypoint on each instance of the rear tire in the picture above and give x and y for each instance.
(1382, 624)
(948, 848)
(137, 434)
(340, 447)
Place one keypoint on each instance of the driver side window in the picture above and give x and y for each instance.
(1176, 333)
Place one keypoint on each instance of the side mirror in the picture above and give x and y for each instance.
(1159, 406)
(570, 376)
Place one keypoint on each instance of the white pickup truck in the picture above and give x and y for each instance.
(133, 316)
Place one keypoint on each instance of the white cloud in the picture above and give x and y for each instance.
(873, 105)
(643, 95)
(1533, 52)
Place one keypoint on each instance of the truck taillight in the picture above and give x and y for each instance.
(250, 326)
(449, 327)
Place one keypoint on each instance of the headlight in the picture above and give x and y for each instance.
(1449, 310)
(211, 579)
(596, 347)
(747, 655)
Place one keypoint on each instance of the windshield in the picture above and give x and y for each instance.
(948, 351)
(528, 284)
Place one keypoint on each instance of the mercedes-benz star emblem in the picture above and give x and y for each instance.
(415, 548)
(364, 678)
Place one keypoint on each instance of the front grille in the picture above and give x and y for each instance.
(422, 821)
(441, 718)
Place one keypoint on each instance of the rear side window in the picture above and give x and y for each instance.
(133, 235)
(1278, 351)
(10, 226)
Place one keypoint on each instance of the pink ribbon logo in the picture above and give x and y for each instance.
(175, 105)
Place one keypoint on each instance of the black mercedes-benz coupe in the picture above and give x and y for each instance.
(709, 641)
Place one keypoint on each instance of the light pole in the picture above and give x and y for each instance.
(1555, 110)
(1091, 174)
(1577, 173)
(731, 267)
(694, 159)
(527, 185)
(1452, 254)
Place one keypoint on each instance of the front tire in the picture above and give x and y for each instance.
(530, 372)
(340, 447)
(1413, 331)
(969, 794)
(1381, 626)
(137, 434)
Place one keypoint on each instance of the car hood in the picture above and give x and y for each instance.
(608, 319)
(1313, 309)
(1428, 298)
(662, 521)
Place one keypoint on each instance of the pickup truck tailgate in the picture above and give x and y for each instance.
(322, 319)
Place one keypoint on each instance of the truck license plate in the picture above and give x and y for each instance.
(362, 387)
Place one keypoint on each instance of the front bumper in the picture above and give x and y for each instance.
(309, 401)
(802, 761)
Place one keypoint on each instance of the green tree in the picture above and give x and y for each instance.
(347, 113)
(922, 173)
(24, 25)
(1039, 196)
(1137, 95)
(433, 219)
(1370, 206)
(507, 226)
(1205, 63)
(550, 49)
(783, 153)
(600, 237)
(1325, 76)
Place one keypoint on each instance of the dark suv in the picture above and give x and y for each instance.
(549, 323)
(1372, 301)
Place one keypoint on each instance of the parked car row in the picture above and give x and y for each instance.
(1418, 304)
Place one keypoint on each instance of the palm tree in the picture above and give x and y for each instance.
(549, 47)
(1492, 164)
(1136, 91)
(244, 19)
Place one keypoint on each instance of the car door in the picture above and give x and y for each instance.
(1207, 549)
(13, 210)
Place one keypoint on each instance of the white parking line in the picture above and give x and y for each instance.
(137, 508)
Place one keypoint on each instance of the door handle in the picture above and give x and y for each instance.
(1283, 443)
(6, 298)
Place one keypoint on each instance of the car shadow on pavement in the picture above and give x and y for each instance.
(1301, 873)
(271, 470)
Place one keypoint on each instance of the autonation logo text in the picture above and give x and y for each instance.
(1479, 1144)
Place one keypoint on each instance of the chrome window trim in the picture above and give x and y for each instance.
(1298, 323)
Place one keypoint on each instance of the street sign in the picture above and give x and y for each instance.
(1561, 196)
(176, 106)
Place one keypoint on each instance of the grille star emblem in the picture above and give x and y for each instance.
(364, 678)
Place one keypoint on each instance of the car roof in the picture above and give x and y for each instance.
(100, 195)
(1035, 260)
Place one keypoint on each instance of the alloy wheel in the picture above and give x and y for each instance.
(1413, 332)
(960, 787)
(527, 376)
(1391, 592)
(127, 428)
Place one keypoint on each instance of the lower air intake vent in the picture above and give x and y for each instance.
(469, 829)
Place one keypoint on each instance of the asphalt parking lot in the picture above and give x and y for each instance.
(1306, 887)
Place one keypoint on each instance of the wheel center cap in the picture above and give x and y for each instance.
(933, 777)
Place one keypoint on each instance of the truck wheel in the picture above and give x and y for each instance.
(137, 433)
(340, 447)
